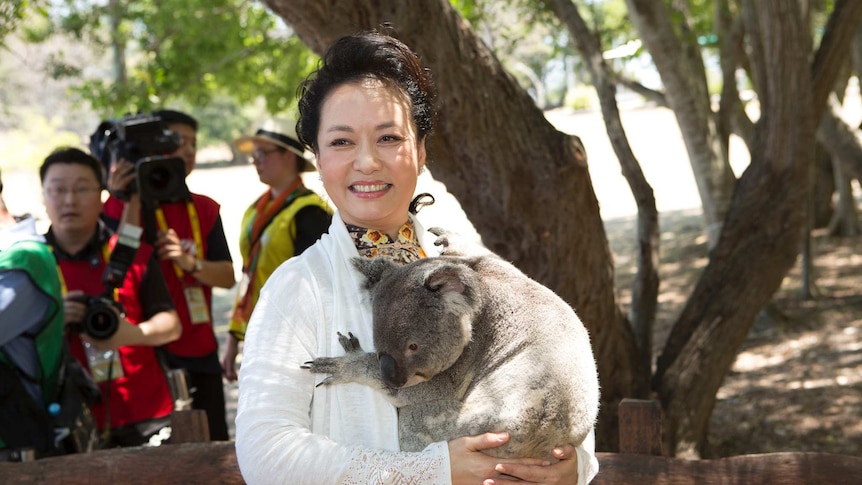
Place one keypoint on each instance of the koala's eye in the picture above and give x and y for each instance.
(413, 347)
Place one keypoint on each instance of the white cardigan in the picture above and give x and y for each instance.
(288, 430)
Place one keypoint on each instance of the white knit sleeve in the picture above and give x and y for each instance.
(431, 466)
(588, 464)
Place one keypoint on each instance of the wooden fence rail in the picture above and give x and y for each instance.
(639, 462)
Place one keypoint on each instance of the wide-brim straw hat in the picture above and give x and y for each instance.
(278, 132)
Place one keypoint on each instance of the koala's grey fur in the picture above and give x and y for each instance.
(495, 351)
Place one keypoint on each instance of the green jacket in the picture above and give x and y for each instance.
(36, 260)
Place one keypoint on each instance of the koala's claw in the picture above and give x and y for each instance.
(442, 236)
(349, 343)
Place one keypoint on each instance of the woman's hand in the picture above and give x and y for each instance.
(564, 471)
(470, 465)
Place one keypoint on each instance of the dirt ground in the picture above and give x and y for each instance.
(796, 384)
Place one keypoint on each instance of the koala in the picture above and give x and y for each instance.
(467, 345)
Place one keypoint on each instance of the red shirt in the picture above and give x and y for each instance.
(142, 392)
(197, 339)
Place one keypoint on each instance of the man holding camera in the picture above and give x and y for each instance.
(194, 254)
(136, 399)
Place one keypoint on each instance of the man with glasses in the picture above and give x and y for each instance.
(282, 223)
(136, 400)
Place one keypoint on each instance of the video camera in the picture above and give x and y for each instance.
(144, 140)
(100, 320)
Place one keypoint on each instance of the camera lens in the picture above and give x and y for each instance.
(160, 178)
(101, 321)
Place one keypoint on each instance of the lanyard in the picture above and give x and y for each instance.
(106, 254)
(255, 231)
(196, 232)
(263, 215)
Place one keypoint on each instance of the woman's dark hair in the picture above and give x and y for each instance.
(366, 55)
(72, 156)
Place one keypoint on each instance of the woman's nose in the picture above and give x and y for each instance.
(366, 159)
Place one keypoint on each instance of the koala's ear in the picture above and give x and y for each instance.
(446, 279)
(373, 269)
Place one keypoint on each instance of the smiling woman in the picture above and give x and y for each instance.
(366, 113)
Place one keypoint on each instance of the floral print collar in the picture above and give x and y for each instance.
(372, 243)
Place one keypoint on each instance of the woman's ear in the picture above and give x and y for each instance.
(421, 154)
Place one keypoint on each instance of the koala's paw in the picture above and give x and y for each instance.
(355, 366)
(349, 343)
(455, 244)
(324, 365)
(451, 242)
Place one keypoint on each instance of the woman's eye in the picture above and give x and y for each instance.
(338, 142)
(390, 138)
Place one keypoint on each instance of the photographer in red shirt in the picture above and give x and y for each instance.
(136, 400)
(194, 258)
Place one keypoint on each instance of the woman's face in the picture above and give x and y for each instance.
(369, 155)
(275, 166)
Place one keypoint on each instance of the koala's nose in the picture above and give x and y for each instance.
(389, 371)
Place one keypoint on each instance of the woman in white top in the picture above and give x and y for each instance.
(365, 113)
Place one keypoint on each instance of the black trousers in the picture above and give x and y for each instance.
(207, 393)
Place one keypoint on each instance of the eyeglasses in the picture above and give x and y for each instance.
(62, 192)
(261, 154)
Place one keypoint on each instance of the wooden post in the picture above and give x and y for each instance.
(189, 426)
(640, 427)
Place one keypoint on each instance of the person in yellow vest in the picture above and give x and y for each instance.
(283, 222)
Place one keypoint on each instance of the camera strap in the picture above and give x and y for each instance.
(106, 255)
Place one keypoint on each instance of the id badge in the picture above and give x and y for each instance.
(197, 304)
(103, 364)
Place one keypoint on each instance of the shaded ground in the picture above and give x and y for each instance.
(796, 384)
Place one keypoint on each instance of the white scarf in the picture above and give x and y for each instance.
(335, 409)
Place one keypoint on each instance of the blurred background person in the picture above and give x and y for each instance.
(282, 223)
(136, 399)
(194, 256)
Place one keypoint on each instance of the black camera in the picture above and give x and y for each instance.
(100, 320)
(144, 140)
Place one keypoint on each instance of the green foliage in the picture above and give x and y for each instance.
(14, 12)
(182, 52)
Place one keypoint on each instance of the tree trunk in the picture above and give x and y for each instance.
(823, 186)
(763, 231)
(523, 184)
(118, 43)
(845, 218)
(677, 58)
(645, 286)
